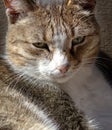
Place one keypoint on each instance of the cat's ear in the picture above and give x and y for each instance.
(85, 4)
(88, 4)
(17, 9)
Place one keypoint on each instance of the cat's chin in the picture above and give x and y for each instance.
(61, 79)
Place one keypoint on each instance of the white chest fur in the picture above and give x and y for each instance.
(92, 94)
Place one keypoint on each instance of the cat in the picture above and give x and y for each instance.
(53, 45)
(31, 103)
(43, 106)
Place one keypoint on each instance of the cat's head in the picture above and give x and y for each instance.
(51, 39)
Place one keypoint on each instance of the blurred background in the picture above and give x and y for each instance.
(103, 15)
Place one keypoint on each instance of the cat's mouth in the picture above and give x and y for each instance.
(60, 77)
(58, 74)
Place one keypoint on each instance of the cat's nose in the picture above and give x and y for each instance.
(64, 68)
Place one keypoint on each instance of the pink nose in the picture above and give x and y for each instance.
(63, 68)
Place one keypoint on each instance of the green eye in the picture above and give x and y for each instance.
(78, 40)
(41, 45)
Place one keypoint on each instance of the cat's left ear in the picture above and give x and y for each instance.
(17, 9)
(85, 4)
(88, 4)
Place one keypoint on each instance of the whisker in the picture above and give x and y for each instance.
(96, 58)
(17, 80)
(87, 62)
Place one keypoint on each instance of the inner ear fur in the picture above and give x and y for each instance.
(86, 4)
(17, 9)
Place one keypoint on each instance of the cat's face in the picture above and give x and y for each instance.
(52, 43)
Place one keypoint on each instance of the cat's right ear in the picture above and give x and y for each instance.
(17, 9)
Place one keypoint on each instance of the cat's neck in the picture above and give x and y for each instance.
(91, 92)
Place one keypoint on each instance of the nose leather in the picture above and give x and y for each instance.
(63, 68)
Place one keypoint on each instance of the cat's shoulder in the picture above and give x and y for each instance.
(5, 69)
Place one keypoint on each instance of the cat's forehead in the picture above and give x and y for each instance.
(64, 21)
(55, 23)
(58, 18)
(50, 2)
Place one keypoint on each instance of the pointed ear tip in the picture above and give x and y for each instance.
(89, 5)
(93, 2)
(7, 3)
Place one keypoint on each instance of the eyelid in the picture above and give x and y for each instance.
(74, 43)
(45, 45)
(36, 44)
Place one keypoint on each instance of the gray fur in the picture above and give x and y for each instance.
(14, 115)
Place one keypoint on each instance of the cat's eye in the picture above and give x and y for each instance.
(41, 45)
(78, 40)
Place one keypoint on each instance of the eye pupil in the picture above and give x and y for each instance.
(39, 44)
(78, 40)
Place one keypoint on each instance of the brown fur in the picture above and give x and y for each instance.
(30, 23)
(14, 115)
(22, 34)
